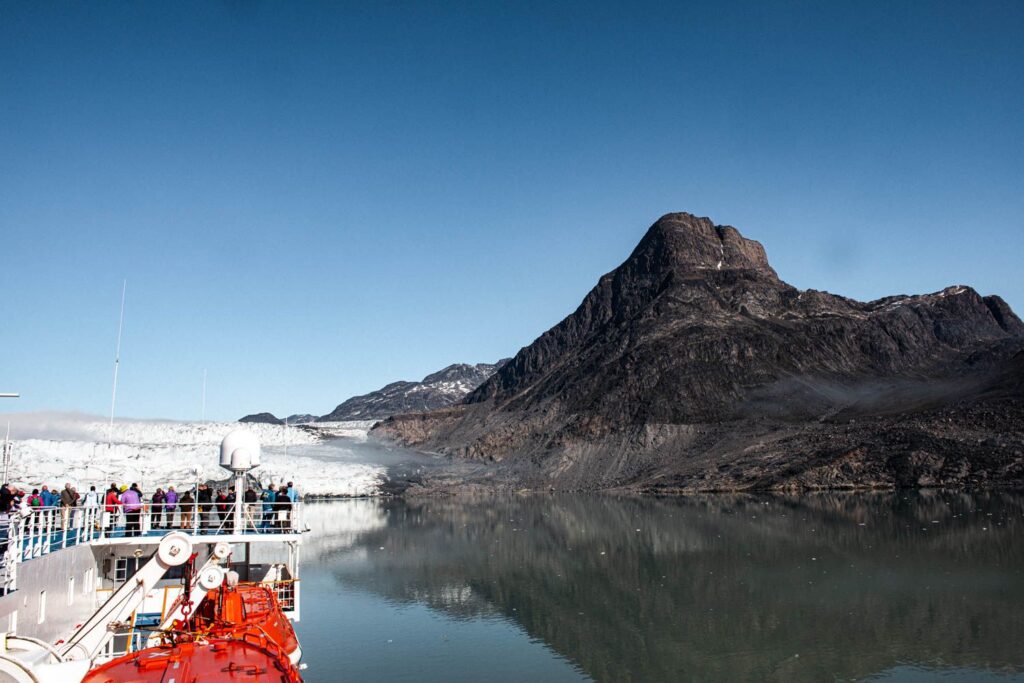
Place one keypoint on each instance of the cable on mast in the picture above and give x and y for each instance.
(117, 363)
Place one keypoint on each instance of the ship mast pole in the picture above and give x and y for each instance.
(7, 451)
(7, 440)
(117, 362)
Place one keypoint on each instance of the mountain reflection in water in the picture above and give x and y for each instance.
(718, 588)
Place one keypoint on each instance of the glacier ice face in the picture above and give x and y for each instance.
(57, 448)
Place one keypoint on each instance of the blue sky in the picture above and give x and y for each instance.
(312, 200)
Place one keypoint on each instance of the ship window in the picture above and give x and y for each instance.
(120, 569)
(71, 590)
(41, 615)
(125, 567)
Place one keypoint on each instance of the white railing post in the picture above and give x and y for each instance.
(16, 533)
(47, 535)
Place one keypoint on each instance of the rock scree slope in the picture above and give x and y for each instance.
(692, 366)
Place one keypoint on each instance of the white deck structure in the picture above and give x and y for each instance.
(66, 569)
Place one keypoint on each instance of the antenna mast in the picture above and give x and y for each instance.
(117, 363)
(7, 440)
(7, 452)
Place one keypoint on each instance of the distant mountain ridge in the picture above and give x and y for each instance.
(440, 389)
(692, 366)
(445, 387)
(263, 418)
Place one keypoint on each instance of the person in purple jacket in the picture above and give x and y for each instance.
(170, 503)
(131, 501)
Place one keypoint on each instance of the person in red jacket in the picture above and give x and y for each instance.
(111, 504)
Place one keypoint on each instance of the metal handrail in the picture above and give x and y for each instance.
(36, 531)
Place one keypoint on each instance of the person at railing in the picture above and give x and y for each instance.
(29, 504)
(204, 498)
(6, 498)
(17, 502)
(253, 508)
(170, 505)
(49, 499)
(283, 506)
(269, 499)
(220, 509)
(91, 498)
(68, 500)
(34, 500)
(157, 510)
(293, 493)
(188, 509)
(111, 503)
(91, 501)
(132, 502)
(231, 499)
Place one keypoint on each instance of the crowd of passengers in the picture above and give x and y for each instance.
(204, 508)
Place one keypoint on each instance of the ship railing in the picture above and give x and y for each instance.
(257, 518)
(285, 590)
(32, 532)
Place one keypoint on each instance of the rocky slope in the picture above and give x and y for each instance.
(442, 388)
(692, 366)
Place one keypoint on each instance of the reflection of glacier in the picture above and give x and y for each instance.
(331, 532)
(73, 448)
(715, 588)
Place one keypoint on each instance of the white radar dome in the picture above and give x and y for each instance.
(240, 451)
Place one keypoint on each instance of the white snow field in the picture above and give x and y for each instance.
(54, 448)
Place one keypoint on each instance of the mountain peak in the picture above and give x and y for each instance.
(691, 366)
(693, 243)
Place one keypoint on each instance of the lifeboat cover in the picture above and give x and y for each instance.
(215, 661)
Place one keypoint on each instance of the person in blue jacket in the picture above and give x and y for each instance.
(268, 497)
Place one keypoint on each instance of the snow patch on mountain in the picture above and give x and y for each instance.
(443, 388)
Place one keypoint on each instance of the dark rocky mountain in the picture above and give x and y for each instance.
(300, 419)
(264, 418)
(692, 366)
(440, 389)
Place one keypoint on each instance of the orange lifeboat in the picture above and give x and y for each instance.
(210, 661)
(244, 610)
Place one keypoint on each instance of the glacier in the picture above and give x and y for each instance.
(54, 448)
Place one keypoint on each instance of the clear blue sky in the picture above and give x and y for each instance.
(311, 200)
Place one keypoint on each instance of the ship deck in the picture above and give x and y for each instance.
(46, 530)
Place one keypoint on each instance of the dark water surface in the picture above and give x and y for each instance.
(822, 587)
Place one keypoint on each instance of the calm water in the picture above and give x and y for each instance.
(894, 587)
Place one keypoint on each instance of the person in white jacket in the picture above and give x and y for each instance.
(92, 500)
